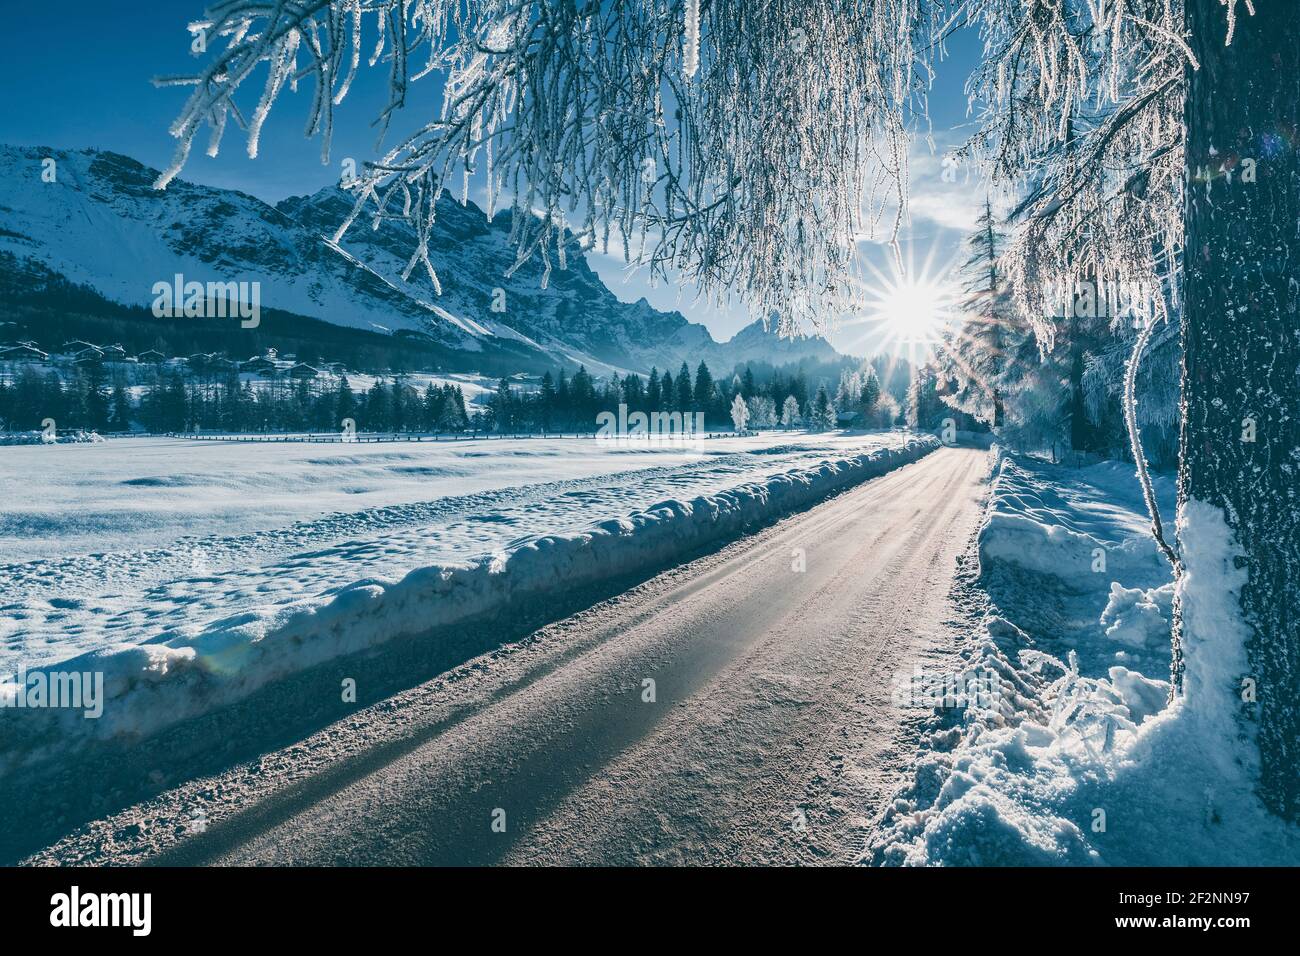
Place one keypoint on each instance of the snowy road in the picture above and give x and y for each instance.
(772, 736)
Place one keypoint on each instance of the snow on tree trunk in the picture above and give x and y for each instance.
(1241, 422)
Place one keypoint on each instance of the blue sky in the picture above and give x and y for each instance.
(77, 73)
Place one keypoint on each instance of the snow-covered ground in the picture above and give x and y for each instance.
(1075, 757)
(191, 572)
(132, 494)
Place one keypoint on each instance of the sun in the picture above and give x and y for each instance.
(908, 302)
(913, 309)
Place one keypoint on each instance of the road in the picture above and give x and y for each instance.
(768, 733)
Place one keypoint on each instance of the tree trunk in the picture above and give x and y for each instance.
(1241, 340)
(1080, 432)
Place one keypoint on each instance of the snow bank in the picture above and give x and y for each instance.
(152, 685)
(77, 437)
(1032, 526)
(1139, 617)
(1081, 759)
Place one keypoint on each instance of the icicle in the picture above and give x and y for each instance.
(691, 51)
(1232, 17)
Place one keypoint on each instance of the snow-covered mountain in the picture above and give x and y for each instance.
(97, 221)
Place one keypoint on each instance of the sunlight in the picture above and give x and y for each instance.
(906, 307)
(913, 309)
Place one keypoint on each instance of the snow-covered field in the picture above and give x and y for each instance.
(1076, 758)
(191, 572)
(132, 494)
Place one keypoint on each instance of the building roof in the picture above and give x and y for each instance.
(10, 352)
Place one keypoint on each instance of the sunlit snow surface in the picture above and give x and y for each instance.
(134, 540)
(1081, 760)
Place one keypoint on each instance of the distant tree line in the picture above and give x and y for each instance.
(773, 398)
(396, 405)
(86, 398)
(173, 403)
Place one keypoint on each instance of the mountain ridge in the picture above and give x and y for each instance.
(101, 224)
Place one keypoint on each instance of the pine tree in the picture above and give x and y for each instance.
(634, 392)
(453, 417)
(121, 409)
(703, 388)
(583, 392)
(345, 405)
(980, 357)
(685, 393)
(457, 403)
(435, 407)
(823, 411)
(97, 399)
(503, 410)
(799, 389)
(563, 400)
(653, 394)
(399, 405)
(546, 398)
(378, 411)
(747, 386)
(870, 396)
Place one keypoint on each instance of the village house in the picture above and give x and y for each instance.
(92, 355)
(22, 353)
(260, 365)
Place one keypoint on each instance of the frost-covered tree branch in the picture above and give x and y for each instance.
(734, 141)
(1083, 116)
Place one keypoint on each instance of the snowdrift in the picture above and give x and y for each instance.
(150, 686)
(1078, 759)
(79, 436)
